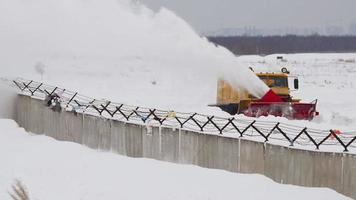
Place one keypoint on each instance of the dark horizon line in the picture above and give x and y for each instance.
(281, 35)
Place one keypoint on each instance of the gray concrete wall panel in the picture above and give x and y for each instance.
(170, 145)
(277, 163)
(207, 150)
(300, 168)
(48, 120)
(252, 157)
(36, 120)
(118, 132)
(52, 123)
(133, 140)
(73, 129)
(188, 151)
(349, 177)
(151, 143)
(90, 132)
(66, 119)
(104, 133)
(22, 111)
(227, 154)
(328, 170)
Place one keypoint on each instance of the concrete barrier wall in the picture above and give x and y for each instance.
(282, 164)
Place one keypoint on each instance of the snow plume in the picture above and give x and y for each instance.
(111, 43)
(241, 77)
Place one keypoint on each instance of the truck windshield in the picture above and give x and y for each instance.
(275, 81)
(280, 82)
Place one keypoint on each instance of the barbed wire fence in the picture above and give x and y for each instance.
(264, 131)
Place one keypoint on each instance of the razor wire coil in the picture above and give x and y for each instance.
(265, 130)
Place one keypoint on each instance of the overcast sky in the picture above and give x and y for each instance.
(210, 15)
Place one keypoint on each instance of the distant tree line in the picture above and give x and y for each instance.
(240, 45)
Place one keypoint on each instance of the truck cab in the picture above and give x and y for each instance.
(278, 82)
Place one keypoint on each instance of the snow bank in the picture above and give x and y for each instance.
(61, 170)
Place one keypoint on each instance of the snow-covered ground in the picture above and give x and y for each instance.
(53, 170)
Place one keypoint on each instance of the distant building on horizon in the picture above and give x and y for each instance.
(331, 30)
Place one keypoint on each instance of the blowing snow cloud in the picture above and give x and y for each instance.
(80, 41)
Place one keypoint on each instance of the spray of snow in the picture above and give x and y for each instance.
(96, 43)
